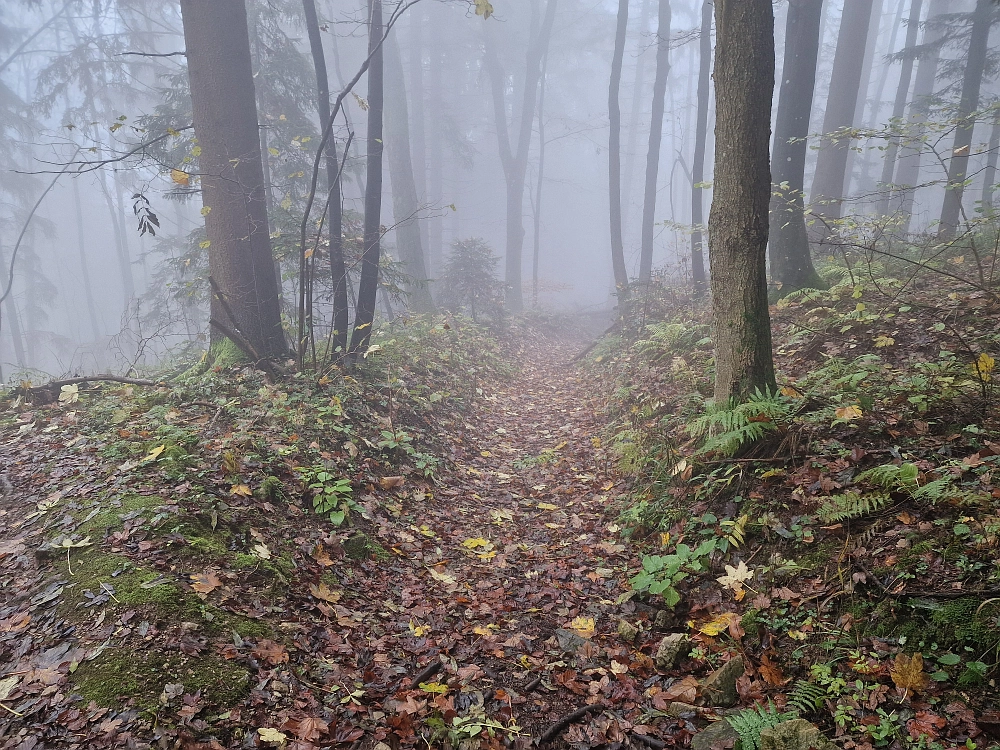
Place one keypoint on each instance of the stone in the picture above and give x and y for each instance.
(797, 734)
(715, 737)
(569, 641)
(719, 688)
(627, 631)
(671, 648)
(663, 619)
(679, 710)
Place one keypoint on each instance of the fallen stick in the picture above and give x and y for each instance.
(651, 741)
(533, 684)
(426, 673)
(556, 729)
(596, 341)
(98, 379)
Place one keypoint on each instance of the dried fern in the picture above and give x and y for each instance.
(850, 506)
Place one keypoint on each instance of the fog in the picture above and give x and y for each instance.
(95, 138)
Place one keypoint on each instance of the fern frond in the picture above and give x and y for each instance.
(933, 491)
(729, 427)
(850, 506)
(806, 697)
(750, 722)
(892, 477)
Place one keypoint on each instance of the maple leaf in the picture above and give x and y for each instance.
(583, 626)
(477, 542)
(926, 724)
(180, 178)
(271, 735)
(771, 672)
(69, 394)
(273, 653)
(718, 624)
(484, 8)
(849, 413)
(310, 728)
(205, 583)
(908, 673)
(736, 577)
(324, 592)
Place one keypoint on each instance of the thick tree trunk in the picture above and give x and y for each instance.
(364, 317)
(791, 261)
(655, 137)
(841, 109)
(899, 106)
(405, 203)
(972, 82)
(615, 153)
(225, 121)
(514, 155)
(334, 185)
(912, 145)
(738, 223)
(700, 144)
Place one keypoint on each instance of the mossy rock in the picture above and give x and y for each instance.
(120, 675)
(363, 547)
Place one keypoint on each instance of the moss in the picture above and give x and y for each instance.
(224, 353)
(271, 489)
(248, 628)
(110, 511)
(363, 547)
(122, 675)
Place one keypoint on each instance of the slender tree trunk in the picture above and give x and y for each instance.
(615, 153)
(990, 172)
(10, 306)
(655, 136)
(225, 120)
(537, 203)
(334, 186)
(899, 106)
(435, 165)
(635, 121)
(791, 261)
(972, 81)
(700, 147)
(405, 204)
(419, 141)
(841, 109)
(875, 21)
(514, 155)
(912, 145)
(364, 318)
(88, 290)
(738, 223)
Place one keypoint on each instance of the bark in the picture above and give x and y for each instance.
(419, 140)
(700, 143)
(635, 119)
(10, 306)
(841, 109)
(791, 261)
(911, 148)
(990, 172)
(364, 317)
(972, 82)
(405, 203)
(435, 165)
(615, 153)
(514, 154)
(738, 222)
(225, 121)
(537, 203)
(655, 136)
(334, 186)
(899, 105)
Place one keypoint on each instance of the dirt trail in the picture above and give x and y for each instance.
(486, 572)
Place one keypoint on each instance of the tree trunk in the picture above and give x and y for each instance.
(972, 81)
(635, 120)
(738, 222)
(338, 268)
(419, 140)
(405, 203)
(615, 153)
(912, 145)
(435, 164)
(364, 317)
(514, 155)
(841, 109)
(899, 106)
(700, 144)
(791, 261)
(225, 120)
(10, 306)
(536, 236)
(88, 291)
(655, 136)
(990, 172)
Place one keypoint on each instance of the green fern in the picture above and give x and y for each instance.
(851, 505)
(933, 491)
(750, 722)
(728, 428)
(891, 477)
(806, 697)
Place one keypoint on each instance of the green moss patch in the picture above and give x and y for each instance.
(122, 675)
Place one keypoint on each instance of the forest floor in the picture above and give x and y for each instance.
(486, 609)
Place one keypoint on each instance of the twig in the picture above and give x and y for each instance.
(533, 684)
(554, 731)
(426, 673)
(99, 379)
(16, 713)
(152, 54)
(596, 341)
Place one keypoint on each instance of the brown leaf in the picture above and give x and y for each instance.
(205, 583)
(908, 673)
(771, 672)
(684, 690)
(310, 728)
(324, 592)
(390, 483)
(273, 653)
(925, 723)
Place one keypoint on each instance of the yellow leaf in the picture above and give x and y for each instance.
(433, 687)
(883, 341)
(849, 413)
(585, 627)
(480, 630)
(447, 580)
(309, 253)
(736, 577)
(484, 8)
(180, 177)
(196, 151)
(477, 542)
(618, 668)
(547, 506)
(790, 392)
(240, 490)
(155, 453)
(205, 244)
(908, 673)
(718, 624)
(797, 635)
(419, 631)
(261, 551)
(983, 368)
(69, 394)
(267, 734)
(324, 592)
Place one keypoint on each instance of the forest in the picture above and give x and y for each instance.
(485, 374)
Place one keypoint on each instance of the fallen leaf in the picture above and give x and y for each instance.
(849, 413)
(390, 483)
(908, 673)
(325, 593)
(718, 624)
(205, 583)
(583, 626)
(771, 672)
(273, 653)
(736, 577)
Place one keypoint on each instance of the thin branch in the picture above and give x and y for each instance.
(153, 54)
(21, 47)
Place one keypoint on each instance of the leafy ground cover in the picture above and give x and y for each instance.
(472, 544)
